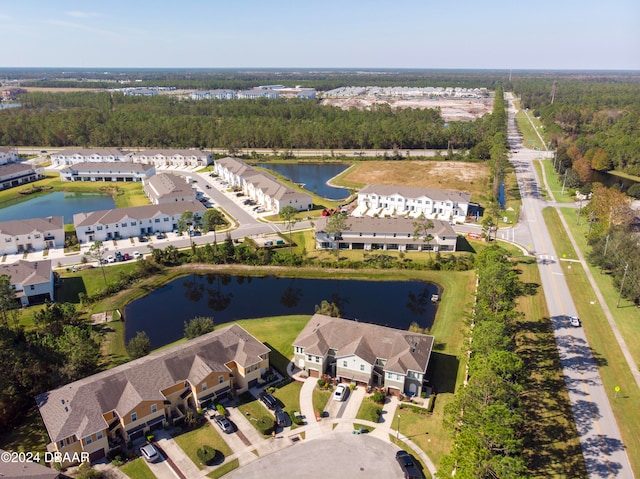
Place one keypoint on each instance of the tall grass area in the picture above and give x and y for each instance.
(614, 370)
(530, 138)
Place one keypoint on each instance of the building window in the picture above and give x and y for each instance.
(308, 357)
(88, 440)
(133, 223)
(204, 386)
(154, 408)
(134, 417)
(166, 219)
(362, 367)
(220, 379)
(157, 220)
(98, 435)
(344, 364)
(99, 228)
(124, 225)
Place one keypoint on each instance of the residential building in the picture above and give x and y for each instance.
(167, 188)
(261, 187)
(190, 158)
(393, 200)
(364, 353)
(107, 171)
(35, 234)
(32, 280)
(135, 221)
(213, 94)
(26, 469)
(388, 234)
(8, 155)
(122, 404)
(72, 156)
(16, 174)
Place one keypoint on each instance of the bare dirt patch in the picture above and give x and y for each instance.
(452, 109)
(450, 175)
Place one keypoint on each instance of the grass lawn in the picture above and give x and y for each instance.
(137, 469)
(369, 410)
(320, 398)
(224, 469)
(255, 413)
(289, 396)
(191, 441)
(612, 366)
(554, 181)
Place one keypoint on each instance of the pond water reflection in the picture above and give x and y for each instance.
(162, 313)
(58, 203)
(313, 177)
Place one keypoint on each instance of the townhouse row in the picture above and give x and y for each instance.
(160, 158)
(261, 187)
(101, 412)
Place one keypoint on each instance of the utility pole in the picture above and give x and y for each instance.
(565, 180)
(626, 267)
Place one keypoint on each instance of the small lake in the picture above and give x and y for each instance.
(313, 177)
(162, 313)
(58, 203)
(610, 180)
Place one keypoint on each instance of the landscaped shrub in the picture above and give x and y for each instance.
(221, 410)
(297, 420)
(322, 383)
(206, 455)
(377, 397)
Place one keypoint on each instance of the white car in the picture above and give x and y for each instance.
(137, 255)
(341, 392)
(150, 453)
(111, 259)
(574, 321)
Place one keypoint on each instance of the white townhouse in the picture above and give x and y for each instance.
(72, 156)
(167, 188)
(174, 158)
(35, 234)
(258, 93)
(135, 221)
(8, 155)
(16, 174)
(393, 200)
(363, 353)
(107, 171)
(32, 281)
(387, 234)
(261, 187)
(213, 94)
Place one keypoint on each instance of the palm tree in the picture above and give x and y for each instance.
(422, 229)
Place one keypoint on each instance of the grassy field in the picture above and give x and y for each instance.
(137, 469)
(612, 366)
(125, 194)
(453, 175)
(554, 181)
(205, 435)
(368, 410)
(530, 138)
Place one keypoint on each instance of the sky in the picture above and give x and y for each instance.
(474, 34)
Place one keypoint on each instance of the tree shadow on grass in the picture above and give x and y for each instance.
(278, 361)
(443, 369)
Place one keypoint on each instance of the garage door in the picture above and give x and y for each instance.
(96, 455)
(136, 435)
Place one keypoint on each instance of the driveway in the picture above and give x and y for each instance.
(337, 455)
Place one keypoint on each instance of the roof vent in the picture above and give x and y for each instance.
(66, 409)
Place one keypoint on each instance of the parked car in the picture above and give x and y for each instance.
(149, 452)
(268, 400)
(111, 259)
(341, 392)
(137, 255)
(126, 257)
(160, 236)
(574, 321)
(408, 465)
(268, 243)
(223, 423)
(142, 239)
(208, 187)
(282, 418)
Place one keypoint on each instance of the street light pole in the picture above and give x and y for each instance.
(398, 430)
(626, 267)
(565, 180)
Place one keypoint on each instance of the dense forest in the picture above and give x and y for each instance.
(104, 119)
(595, 123)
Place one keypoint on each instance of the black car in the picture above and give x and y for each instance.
(408, 465)
(282, 418)
(269, 400)
(224, 424)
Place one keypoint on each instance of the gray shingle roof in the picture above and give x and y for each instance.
(111, 166)
(106, 217)
(28, 226)
(368, 224)
(165, 186)
(77, 408)
(403, 350)
(28, 272)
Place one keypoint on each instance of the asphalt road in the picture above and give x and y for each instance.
(602, 447)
